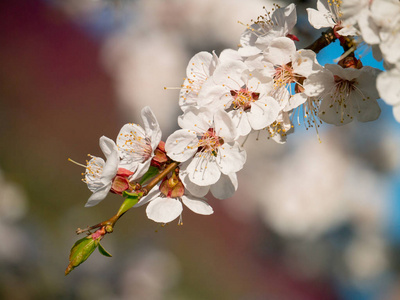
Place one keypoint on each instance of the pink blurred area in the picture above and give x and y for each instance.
(56, 100)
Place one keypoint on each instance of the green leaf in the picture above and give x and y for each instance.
(130, 200)
(80, 252)
(153, 171)
(103, 251)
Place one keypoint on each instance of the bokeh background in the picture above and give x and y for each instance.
(309, 221)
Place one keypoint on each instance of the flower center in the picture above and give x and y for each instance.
(284, 75)
(137, 147)
(243, 98)
(210, 142)
(343, 88)
(94, 167)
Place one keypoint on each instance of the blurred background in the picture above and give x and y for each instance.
(310, 220)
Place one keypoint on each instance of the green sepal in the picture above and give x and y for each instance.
(130, 200)
(153, 171)
(80, 252)
(103, 251)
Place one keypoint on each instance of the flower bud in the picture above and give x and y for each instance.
(160, 156)
(172, 187)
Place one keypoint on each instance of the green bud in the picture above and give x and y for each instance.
(81, 252)
(109, 228)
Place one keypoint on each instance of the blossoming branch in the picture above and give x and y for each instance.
(262, 87)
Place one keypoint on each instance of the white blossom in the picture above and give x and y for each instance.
(349, 93)
(99, 174)
(164, 208)
(244, 94)
(328, 14)
(259, 35)
(207, 139)
(287, 66)
(136, 145)
(200, 68)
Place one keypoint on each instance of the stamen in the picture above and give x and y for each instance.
(76, 163)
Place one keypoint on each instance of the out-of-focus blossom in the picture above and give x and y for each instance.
(176, 27)
(323, 196)
(366, 258)
(13, 201)
(328, 14)
(389, 89)
(13, 207)
(150, 274)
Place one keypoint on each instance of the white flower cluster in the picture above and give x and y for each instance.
(378, 23)
(260, 86)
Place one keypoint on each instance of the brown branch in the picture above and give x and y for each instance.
(109, 224)
(326, 38)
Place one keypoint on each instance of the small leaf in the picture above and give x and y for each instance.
(103, 251)
(80, 252)
(130, 201)
(153, 171)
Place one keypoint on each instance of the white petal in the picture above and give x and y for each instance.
(231, 159)
(98, 195)
(396, 112)
(334, 115)
(369, 30)
(229, 72)
(203, 170)
(198, 206)
(365, 110)
(224, 126)
(263, 113)
(194, 189)
(319, 19)
(229, 54)
(295, 101)
(287, 16)
(110, 168)
(214, 96)
(181, 145)
(154, 193)
(200, 63)
(93, 172)
(164, 210)
(240, 121)
(151, 127)
(280, 51)
(107, 145)
(225, 187)
(316, 83)
(389, 87)
(248, 50)
(304, 62)
(196, 119)
(141, 169)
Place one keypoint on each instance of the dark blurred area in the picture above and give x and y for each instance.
(72, 71)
